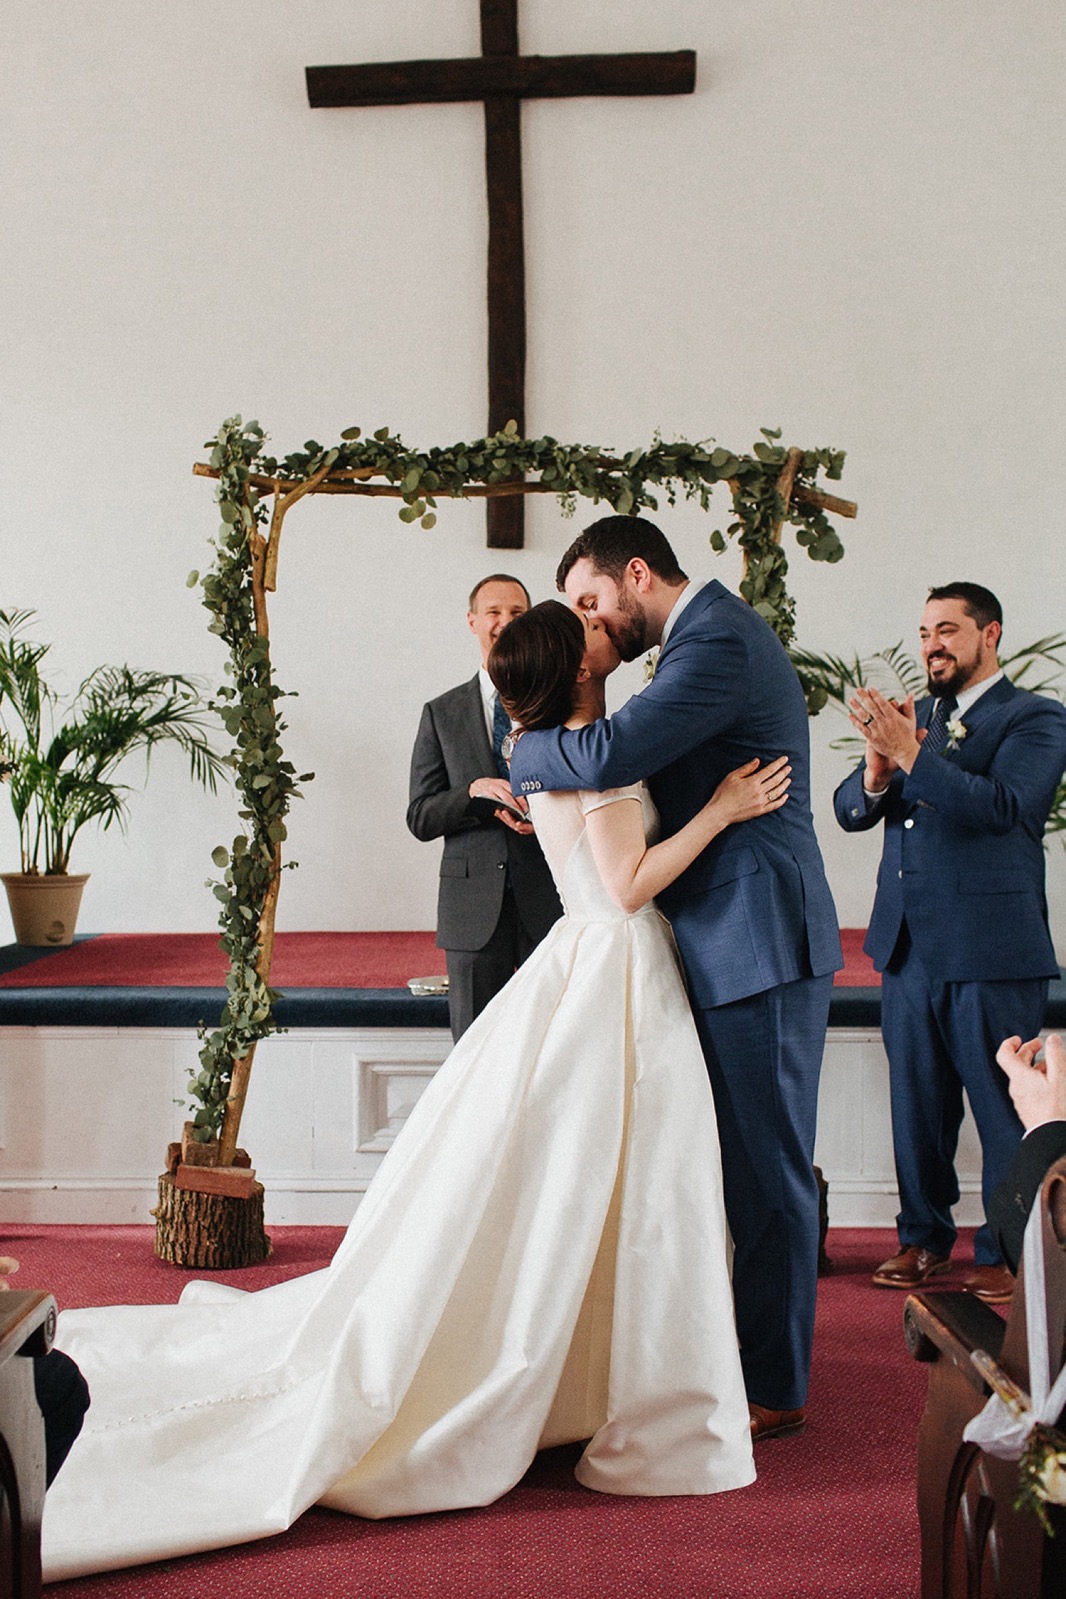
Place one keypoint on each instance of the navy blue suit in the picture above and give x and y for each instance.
(959, 930)
(757, 932)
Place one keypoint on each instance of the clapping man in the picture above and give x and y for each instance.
(963, 782)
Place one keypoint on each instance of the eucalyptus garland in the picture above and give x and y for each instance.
(626, 484)
(265, 781)
(248, 703)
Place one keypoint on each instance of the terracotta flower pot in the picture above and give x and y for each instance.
(44, 910)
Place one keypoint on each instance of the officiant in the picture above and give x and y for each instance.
(496, 898)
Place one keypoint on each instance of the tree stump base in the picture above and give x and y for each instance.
(211, 1232)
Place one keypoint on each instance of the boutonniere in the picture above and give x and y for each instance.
(957, 731)
(651, 661)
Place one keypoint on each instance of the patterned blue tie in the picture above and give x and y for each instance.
(937, 735)
(501, 726)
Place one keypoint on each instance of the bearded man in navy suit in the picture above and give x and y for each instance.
(963, 782)
(753, 916)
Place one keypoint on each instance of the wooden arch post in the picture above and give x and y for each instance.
(210, 1209)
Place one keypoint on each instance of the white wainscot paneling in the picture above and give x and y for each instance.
(86, 1114)
(854, 1143)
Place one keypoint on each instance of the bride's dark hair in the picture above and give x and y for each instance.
(534, 664)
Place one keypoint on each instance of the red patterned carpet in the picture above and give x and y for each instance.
(832, 1515)
(194, 960)
(301, 960)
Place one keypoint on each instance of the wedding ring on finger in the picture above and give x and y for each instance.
(867, 720)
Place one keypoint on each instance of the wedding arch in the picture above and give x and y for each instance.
(770, 487)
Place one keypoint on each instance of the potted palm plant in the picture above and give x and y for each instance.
(59, 761)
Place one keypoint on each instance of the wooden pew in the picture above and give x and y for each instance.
(975, 1545)
(27, 1326)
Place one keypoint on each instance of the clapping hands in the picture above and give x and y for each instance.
(890, 729)
(1037, 1087)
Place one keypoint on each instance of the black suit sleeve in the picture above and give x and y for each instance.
(1012, 1201)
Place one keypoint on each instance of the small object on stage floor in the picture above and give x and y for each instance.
(428, 985)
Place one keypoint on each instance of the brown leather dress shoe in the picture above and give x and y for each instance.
(774, 1423)
(993, 1284)
(911, 1267)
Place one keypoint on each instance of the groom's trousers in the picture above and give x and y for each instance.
(764, 1057)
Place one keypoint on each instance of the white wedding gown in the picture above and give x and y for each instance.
(542, 1258)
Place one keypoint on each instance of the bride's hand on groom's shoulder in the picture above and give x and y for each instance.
(752, 790)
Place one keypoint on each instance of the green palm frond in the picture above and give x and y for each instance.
(1023, 666)
(62, 780)
(20, 680)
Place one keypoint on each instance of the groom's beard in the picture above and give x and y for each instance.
(629, 635)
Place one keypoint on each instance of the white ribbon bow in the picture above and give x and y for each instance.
(997, 1429)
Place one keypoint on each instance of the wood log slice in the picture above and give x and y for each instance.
(210, 1232)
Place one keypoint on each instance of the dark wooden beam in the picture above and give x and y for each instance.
(482, 78)
(505, 519)
(502, 78)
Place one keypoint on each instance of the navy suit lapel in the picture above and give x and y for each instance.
(694, 612)
(988, 704)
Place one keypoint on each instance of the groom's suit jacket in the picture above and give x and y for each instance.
(754, 909)
(962, 859)
(481, 856)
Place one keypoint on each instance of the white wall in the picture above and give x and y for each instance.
(853, 230)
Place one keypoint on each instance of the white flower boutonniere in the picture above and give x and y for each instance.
(957, 731)
(651, 661)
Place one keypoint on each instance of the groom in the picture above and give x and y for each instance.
(752, 915)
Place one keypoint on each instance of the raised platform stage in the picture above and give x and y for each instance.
(97, 1043)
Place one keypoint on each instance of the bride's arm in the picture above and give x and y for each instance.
(633, 872)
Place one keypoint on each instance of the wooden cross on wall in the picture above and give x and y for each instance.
(502, 79)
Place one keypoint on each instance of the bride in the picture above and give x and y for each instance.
(542, 1257)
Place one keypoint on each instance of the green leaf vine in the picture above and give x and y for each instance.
(266, 782)
(248, 703)
(625, 483)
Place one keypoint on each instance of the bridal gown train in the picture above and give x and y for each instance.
(541, 1258)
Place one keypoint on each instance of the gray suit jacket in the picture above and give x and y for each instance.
(451, 750)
